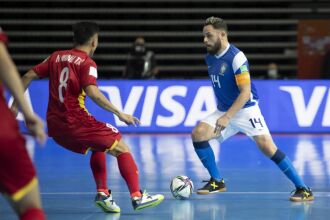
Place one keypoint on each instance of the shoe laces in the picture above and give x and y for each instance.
(146, 194)
(109, 198)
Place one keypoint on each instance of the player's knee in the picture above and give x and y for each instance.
(198, 133)
(121, 147)
(262, 142)
(266, 145)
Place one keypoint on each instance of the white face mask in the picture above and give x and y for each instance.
(272, 74)
(139, 48)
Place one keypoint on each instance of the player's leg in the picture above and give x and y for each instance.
(73, 142)
(127, 167)
(201, 135)
(103, 198)
(29, 206)
(99, 170)
(18, 179)
(129, 172)
(268, 147)
(251, 122)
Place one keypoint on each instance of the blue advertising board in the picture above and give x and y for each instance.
(177, 105)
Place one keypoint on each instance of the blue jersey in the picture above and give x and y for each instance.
(222, 70)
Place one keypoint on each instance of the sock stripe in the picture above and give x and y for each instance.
(201, 144)
(278, 156)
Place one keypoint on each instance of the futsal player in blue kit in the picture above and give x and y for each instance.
(237, 111)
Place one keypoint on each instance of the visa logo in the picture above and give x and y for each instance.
(181, 113)
(306, 111)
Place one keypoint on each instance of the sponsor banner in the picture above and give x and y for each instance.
(178, 105)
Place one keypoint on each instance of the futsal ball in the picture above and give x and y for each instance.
(181, 187)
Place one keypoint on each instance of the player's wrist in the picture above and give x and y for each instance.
(227, 116)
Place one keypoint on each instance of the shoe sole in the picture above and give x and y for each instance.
(293, 199)
(150, 204)
(105, 208)
(204, 192)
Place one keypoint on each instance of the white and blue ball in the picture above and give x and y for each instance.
(181, 187)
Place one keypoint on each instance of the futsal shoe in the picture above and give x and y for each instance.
(106, 203)
(302, 194)
(146, 201)
(212, 186)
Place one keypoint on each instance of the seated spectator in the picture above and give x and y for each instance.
(141, 63)
(272, 72)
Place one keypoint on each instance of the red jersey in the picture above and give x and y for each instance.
(69, 72)
(7, 118)
(16, 176)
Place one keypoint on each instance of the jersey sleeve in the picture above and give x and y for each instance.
(241, 69)
(88, 74)
(42, 69)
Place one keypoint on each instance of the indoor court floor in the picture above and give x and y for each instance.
(256, 189)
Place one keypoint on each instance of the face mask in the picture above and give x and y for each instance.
(139, 48)
(272, 74)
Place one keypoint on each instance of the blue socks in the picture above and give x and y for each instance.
(206, 155)
(284, 163)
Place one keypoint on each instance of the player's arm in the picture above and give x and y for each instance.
(27, 79)
(244, 86)
(97, 96)
(10, 77)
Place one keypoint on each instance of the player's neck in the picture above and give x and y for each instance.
(224, 46)
(86, 49)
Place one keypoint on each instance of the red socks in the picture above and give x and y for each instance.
(129, 172)
(33, 214)
(98, 166)
(127, 168)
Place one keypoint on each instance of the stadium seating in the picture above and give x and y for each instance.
(264, 29)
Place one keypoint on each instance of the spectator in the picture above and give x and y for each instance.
(272, 71)
(141, 63)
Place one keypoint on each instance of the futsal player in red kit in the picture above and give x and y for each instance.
(18, 181)
(72, 74)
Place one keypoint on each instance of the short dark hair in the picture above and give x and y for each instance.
(83, 31)
(217, 23)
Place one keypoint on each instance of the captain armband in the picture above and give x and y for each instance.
(243, 78)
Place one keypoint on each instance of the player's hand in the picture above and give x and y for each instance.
(36, 127)
(14, 109)
(221, 124)
(129, 119)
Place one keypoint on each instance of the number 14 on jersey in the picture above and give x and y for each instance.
(215, 80)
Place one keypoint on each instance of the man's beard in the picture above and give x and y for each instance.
(214, 50)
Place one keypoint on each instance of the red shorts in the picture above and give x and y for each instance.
(17, 173)
(88, 135)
